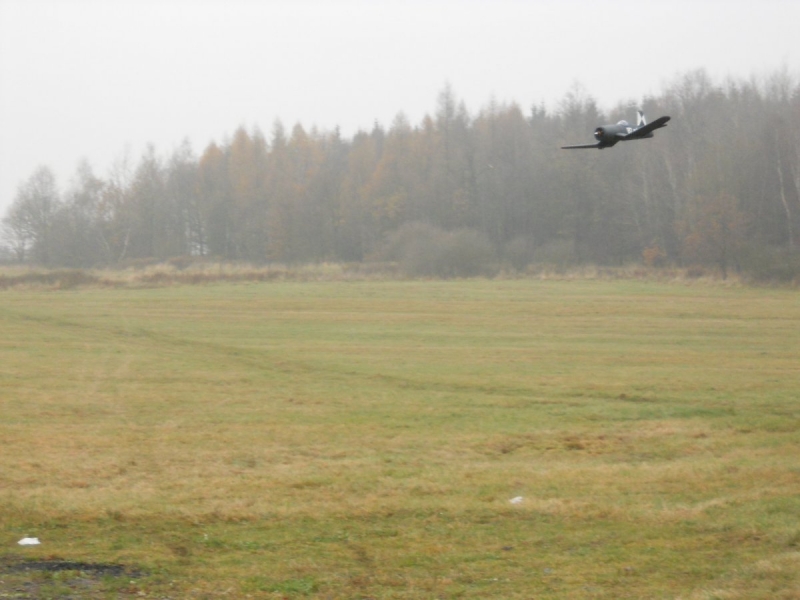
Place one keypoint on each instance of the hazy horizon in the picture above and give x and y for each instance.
(85, 79)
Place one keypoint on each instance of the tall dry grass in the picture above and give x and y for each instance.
(197, 272)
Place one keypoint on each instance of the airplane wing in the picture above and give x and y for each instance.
(646, 129)
(597, 145)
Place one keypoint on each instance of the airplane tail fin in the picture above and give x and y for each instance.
(641, 120)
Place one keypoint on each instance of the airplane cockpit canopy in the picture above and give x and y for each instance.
(623, 122)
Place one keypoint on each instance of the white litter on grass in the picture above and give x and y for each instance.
(29, 542)
(516, 500)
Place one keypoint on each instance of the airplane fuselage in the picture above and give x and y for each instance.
(608, 135)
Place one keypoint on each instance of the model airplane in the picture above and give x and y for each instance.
(608, 135)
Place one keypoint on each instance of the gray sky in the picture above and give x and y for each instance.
(90, 78)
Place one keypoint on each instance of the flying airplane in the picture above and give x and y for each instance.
(608, 135)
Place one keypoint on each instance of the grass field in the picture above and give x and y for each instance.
(364, 440)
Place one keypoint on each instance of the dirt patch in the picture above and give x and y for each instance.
(63, 579)
(53, 566)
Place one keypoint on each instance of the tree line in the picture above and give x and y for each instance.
(456, 194)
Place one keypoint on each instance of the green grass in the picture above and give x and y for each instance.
(363, 439)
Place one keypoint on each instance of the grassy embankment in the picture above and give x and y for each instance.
(363, 440)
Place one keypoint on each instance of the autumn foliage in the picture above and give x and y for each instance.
(455, 194)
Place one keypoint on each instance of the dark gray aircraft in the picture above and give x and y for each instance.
(608, 135)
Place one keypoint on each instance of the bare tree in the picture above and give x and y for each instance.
(28, 223)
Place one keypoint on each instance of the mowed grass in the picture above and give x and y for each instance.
(364, 439)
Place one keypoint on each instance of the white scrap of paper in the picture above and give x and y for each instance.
(516, 500)
(29, 542)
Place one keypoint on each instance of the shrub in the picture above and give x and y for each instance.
(519, 253)
(558, 253)
(771, 265)
(423, 250)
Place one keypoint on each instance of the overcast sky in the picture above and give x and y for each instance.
(90, 78)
